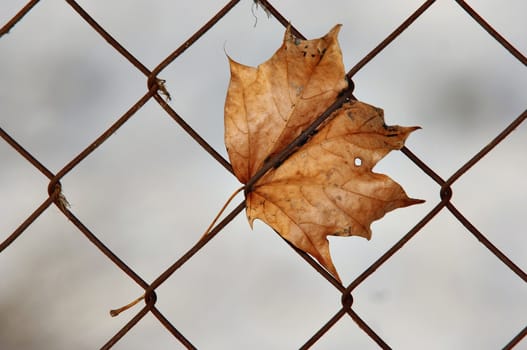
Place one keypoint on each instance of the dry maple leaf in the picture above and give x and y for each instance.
(267, 107)
(327, 186)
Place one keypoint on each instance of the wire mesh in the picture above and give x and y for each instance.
(157, 91)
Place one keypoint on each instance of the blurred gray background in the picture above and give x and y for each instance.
(150, 191)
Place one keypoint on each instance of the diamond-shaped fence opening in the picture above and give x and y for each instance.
(107, 186)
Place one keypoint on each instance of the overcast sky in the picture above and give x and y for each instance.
(150, 191)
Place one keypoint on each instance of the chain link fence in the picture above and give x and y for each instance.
(158, 91)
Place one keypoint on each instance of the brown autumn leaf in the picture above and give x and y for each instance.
(268, 106)
(327, 186)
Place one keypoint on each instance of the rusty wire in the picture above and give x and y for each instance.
(154, 86)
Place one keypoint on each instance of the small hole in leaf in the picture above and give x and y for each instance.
(358, 161)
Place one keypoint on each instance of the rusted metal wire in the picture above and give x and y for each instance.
(519, 56)
(154, 85)
(16, 18)
(383, 44)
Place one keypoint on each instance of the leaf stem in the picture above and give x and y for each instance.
(116, 312)
(221, 211)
